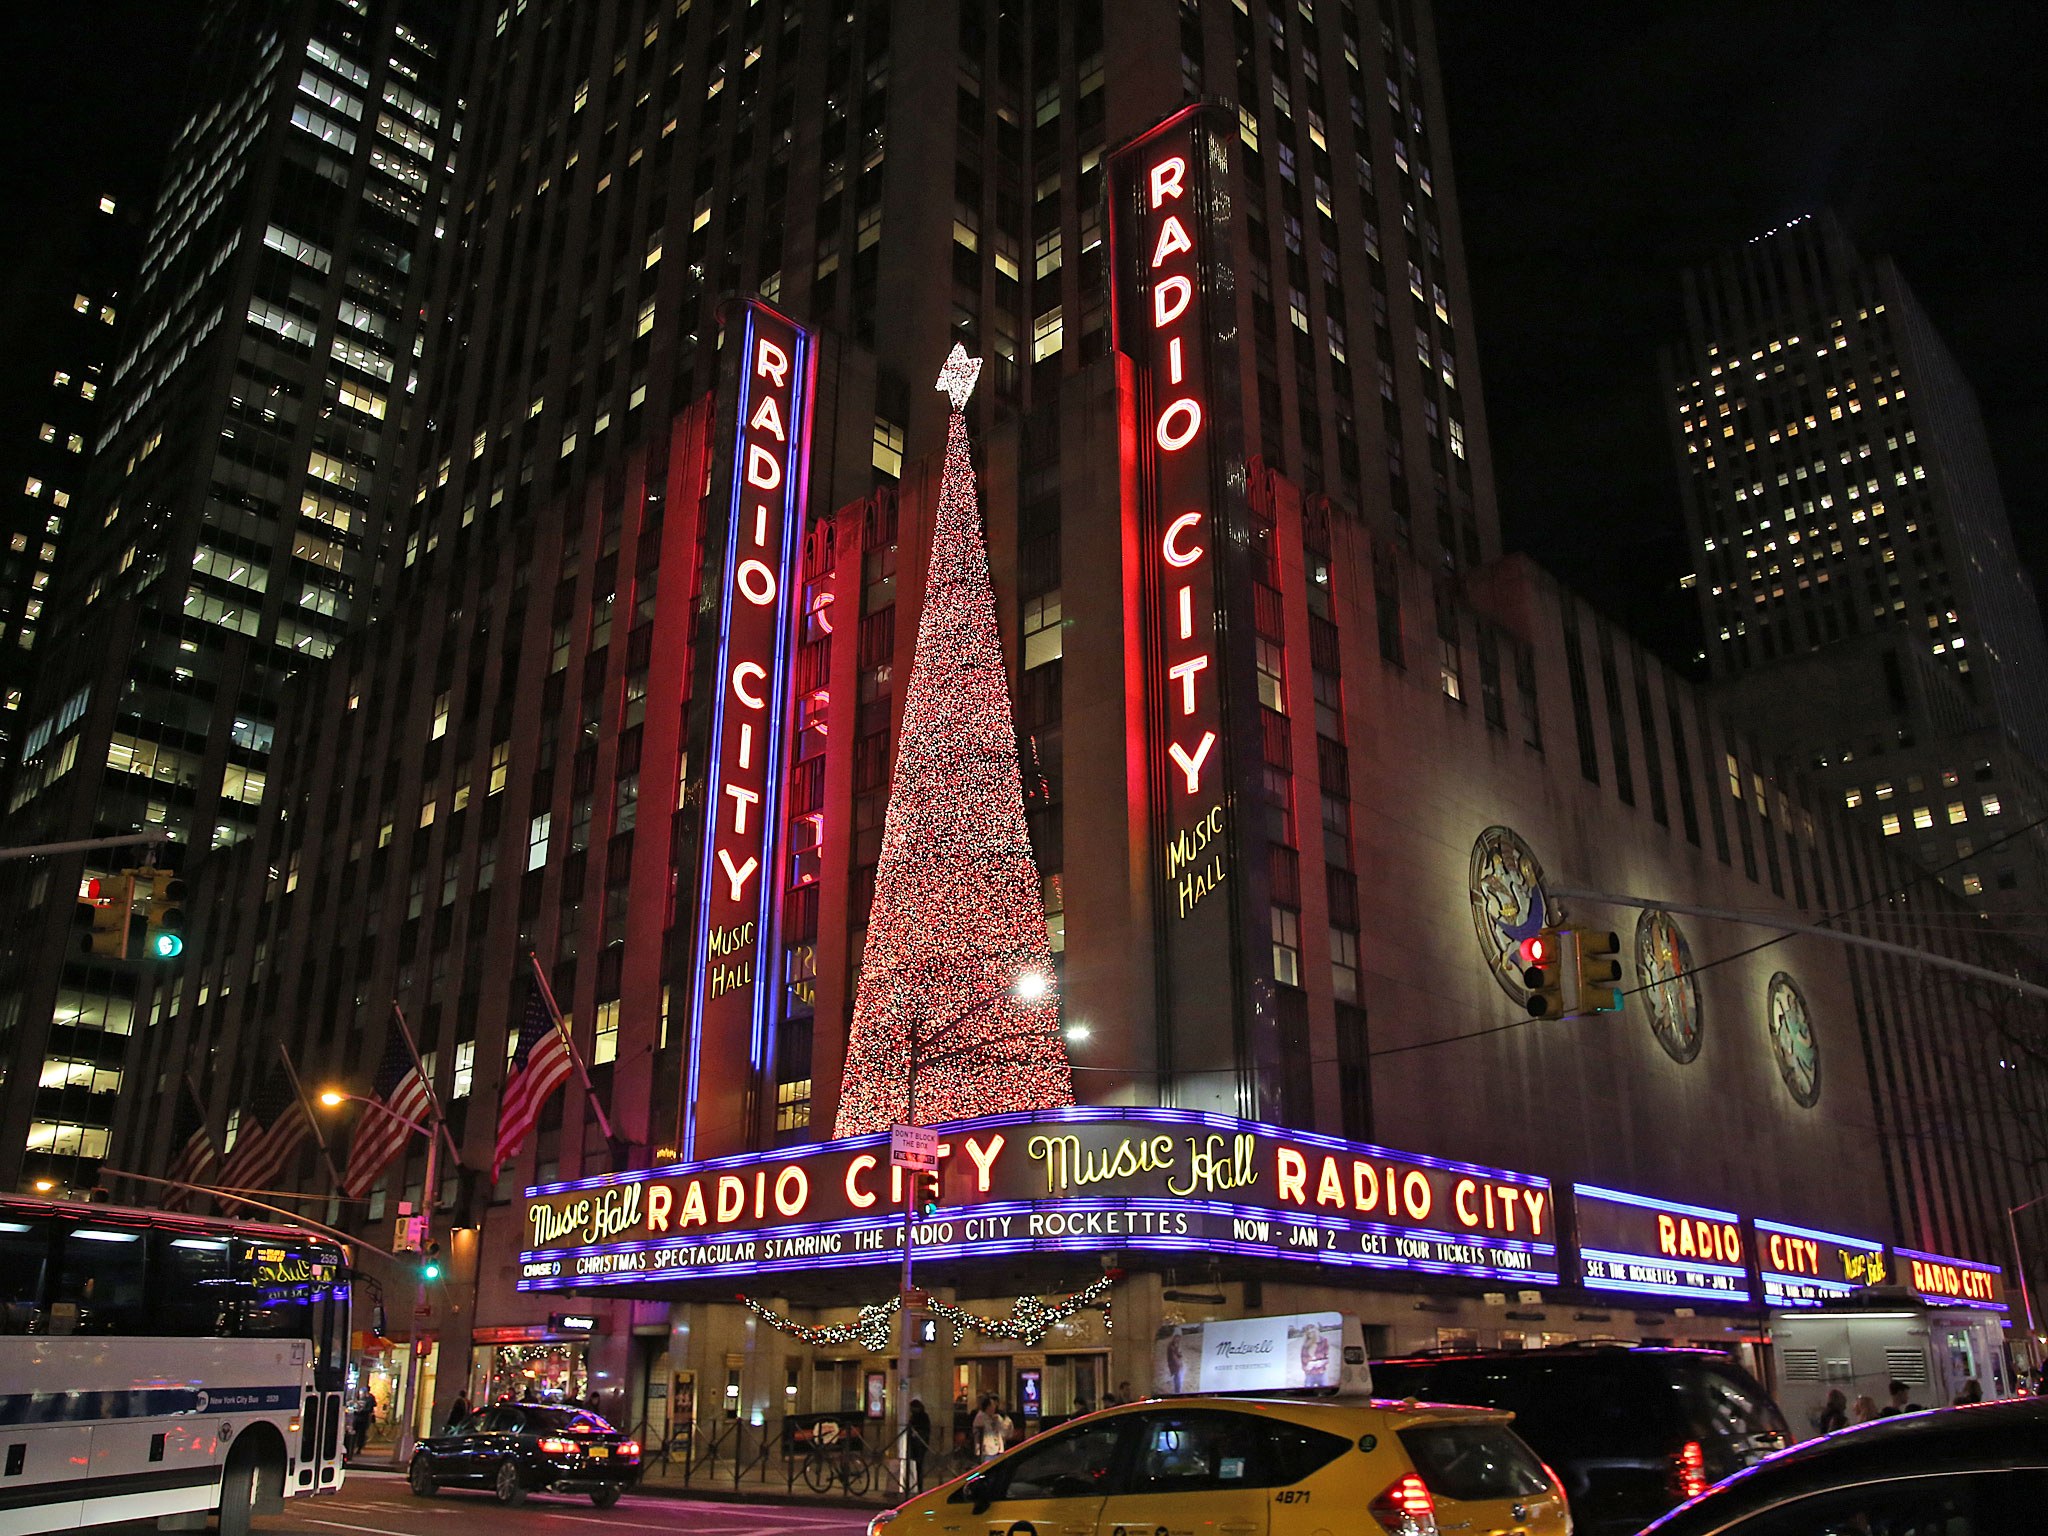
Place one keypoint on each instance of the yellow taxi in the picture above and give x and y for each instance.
(1233, 1466)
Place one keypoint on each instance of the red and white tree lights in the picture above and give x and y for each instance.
(952, 978)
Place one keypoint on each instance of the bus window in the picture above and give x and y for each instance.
(193, 1296)
(24, 1263)
(99, 1281)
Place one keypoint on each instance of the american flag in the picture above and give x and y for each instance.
(379, 1137)
(194, 1160)
(272, 1126)
(540, 1064)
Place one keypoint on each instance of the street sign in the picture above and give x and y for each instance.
(913, 1146)
(407, 1233)
(572, 1322)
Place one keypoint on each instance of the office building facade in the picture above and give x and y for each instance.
(225, 532)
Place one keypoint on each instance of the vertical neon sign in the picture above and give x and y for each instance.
(732, 979)
(1176, 318)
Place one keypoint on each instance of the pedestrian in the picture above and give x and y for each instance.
(1900, 1403)
(457, 1412)
(1973, 1392)
(920, 1439)
(1863, 1410)
(991, 1430)
(1834, 1414)
(359, 1423)
(1124, 1393)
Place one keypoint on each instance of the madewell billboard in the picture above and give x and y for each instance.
(1303, 1352)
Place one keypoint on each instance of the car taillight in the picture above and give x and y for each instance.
(1405, 1509)
(551, 1446)
(630, 1449)
(1689, 1470)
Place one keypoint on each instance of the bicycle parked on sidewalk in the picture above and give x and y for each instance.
(835, 1455)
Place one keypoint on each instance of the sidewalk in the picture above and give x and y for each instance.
(666, 1481)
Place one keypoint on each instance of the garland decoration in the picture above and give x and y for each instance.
(1029, 1320)
(870, 1329)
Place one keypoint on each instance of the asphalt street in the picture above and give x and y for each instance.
(380, 1504)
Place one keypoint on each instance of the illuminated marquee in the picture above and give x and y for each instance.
(1059, 1180)
(732, 983)
(1657, 1247)
(1947, 1282)
(1801, 1267)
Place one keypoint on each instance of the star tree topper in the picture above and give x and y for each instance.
(958, 377)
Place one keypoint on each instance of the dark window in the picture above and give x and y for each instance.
(1070, 1464)
(1617, 721)
(1474, 1461)
(1582, 700)
(1194, 1452)
(1955, 1504)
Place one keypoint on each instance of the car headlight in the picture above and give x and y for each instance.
(875, 1525)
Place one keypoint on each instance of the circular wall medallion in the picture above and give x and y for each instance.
(1671, 993)
(1508, 905)
(1792, 1040)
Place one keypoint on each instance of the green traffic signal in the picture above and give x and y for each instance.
(431, 1270)
(927, 1194)
(166, 946)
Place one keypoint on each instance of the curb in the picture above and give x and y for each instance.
(707, 1493)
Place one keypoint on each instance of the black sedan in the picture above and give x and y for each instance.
(1957, 1471)
(519, 1448)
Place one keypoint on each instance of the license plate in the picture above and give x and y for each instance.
(599, 1452)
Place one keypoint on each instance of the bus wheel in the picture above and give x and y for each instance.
(421, 1476)
(238, 1489)
(510, 1489)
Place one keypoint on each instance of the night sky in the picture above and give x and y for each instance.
(1599, 149)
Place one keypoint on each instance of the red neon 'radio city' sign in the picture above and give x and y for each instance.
(732, 983)
(1177, 427)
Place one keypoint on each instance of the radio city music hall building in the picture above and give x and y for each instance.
(1302, 755)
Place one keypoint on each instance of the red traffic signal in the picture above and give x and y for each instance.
(1537, 949)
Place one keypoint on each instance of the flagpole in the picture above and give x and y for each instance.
(198, 1103)
(604, 1123)
(419, 1063)
(306, 1106)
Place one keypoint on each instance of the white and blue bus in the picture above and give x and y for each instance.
(165, 1367)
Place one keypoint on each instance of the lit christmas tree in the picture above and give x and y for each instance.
(955, 981)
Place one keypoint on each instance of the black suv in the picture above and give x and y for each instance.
(1630, 1431)
(519, 1448)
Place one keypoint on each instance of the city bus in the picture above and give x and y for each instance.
(165, 1367)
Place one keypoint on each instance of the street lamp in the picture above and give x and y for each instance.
(434, 1130)
(1029, 987)
(2019, 1264)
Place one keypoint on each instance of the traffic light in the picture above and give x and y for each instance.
(105, 905)
(430, 1261)
(1544, 956)
(925, 1194)
(1598, 970)
(164, 938)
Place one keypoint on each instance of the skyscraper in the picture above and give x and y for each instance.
(60, 333)
(1290, 733)
(226, 530)
(1837, 484)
